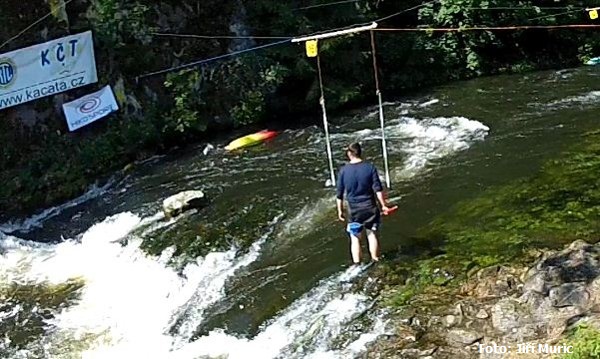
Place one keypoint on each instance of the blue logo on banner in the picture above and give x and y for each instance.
(7, 72)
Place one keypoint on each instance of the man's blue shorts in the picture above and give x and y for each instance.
(365, 215)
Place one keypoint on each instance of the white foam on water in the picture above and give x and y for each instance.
(430, 139)
(129, 298)
(421, 141)
(37, 220)
(418, 141)
(386, 104)
(360, 344)
(588, 98)
(210, 288)
(356, 347)
(306, 327)
(429, 103)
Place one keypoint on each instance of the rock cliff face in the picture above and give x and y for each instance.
(503, 306)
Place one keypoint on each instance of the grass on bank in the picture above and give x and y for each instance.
(559, 204)
(585, 341)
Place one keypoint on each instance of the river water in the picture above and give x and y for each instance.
(74, 282)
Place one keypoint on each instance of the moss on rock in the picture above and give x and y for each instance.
(556, 206)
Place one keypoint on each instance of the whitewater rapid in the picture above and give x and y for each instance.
(130, 301)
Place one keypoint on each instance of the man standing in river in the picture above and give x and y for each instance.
(360, 182)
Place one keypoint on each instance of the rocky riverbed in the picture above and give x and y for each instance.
(502, 308)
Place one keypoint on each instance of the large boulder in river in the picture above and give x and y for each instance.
(182, 202)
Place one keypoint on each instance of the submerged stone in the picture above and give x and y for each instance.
(182, 202)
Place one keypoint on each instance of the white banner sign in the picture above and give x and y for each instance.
(47, 69)
(90, 108)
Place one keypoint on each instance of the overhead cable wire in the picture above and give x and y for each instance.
(33, 24)
(325, 5)
(554, 15)
(421, 29)
(216, 58)
(488, 28)
(406, 10)
(370, 22)
(521, 8)
(217, 37)
(233, 37)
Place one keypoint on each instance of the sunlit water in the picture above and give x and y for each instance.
(292, 293)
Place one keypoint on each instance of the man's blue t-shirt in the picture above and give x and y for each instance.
(360, 181)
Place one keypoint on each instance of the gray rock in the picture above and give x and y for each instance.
(417, 353)
(579, 245)
(207, 149)
(463, 337)
(482, 314)
(458, 310)
(450, 321)
(536, 283)
(405, 335)
(182, 202)
(569, 294)
(594, 290)
(511, 305)
(506, 315)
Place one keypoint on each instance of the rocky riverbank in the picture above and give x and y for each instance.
(468, 280)
(505, 312)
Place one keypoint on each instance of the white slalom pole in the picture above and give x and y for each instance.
(384, 143)
(388, 181)
(325, 123)
(329, 153)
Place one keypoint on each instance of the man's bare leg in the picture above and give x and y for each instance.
(355, 248)
(373, 245)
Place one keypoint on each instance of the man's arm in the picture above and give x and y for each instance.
(381, 199)
(378, 189)
(340, 195)
(340, 209)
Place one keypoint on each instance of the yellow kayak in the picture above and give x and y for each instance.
(250, 140)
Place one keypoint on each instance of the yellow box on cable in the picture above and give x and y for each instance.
(312, 48)
(593, 14)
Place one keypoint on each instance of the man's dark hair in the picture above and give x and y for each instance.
(355, 149)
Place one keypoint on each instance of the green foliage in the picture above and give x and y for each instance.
(429, 275)
(252, 105)
(586, 343)
(58, 10)
(471, 53)
(251, 109)
(188, 102)
(560, 204)
(278, 82)
(118, 22)
(244, 83)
